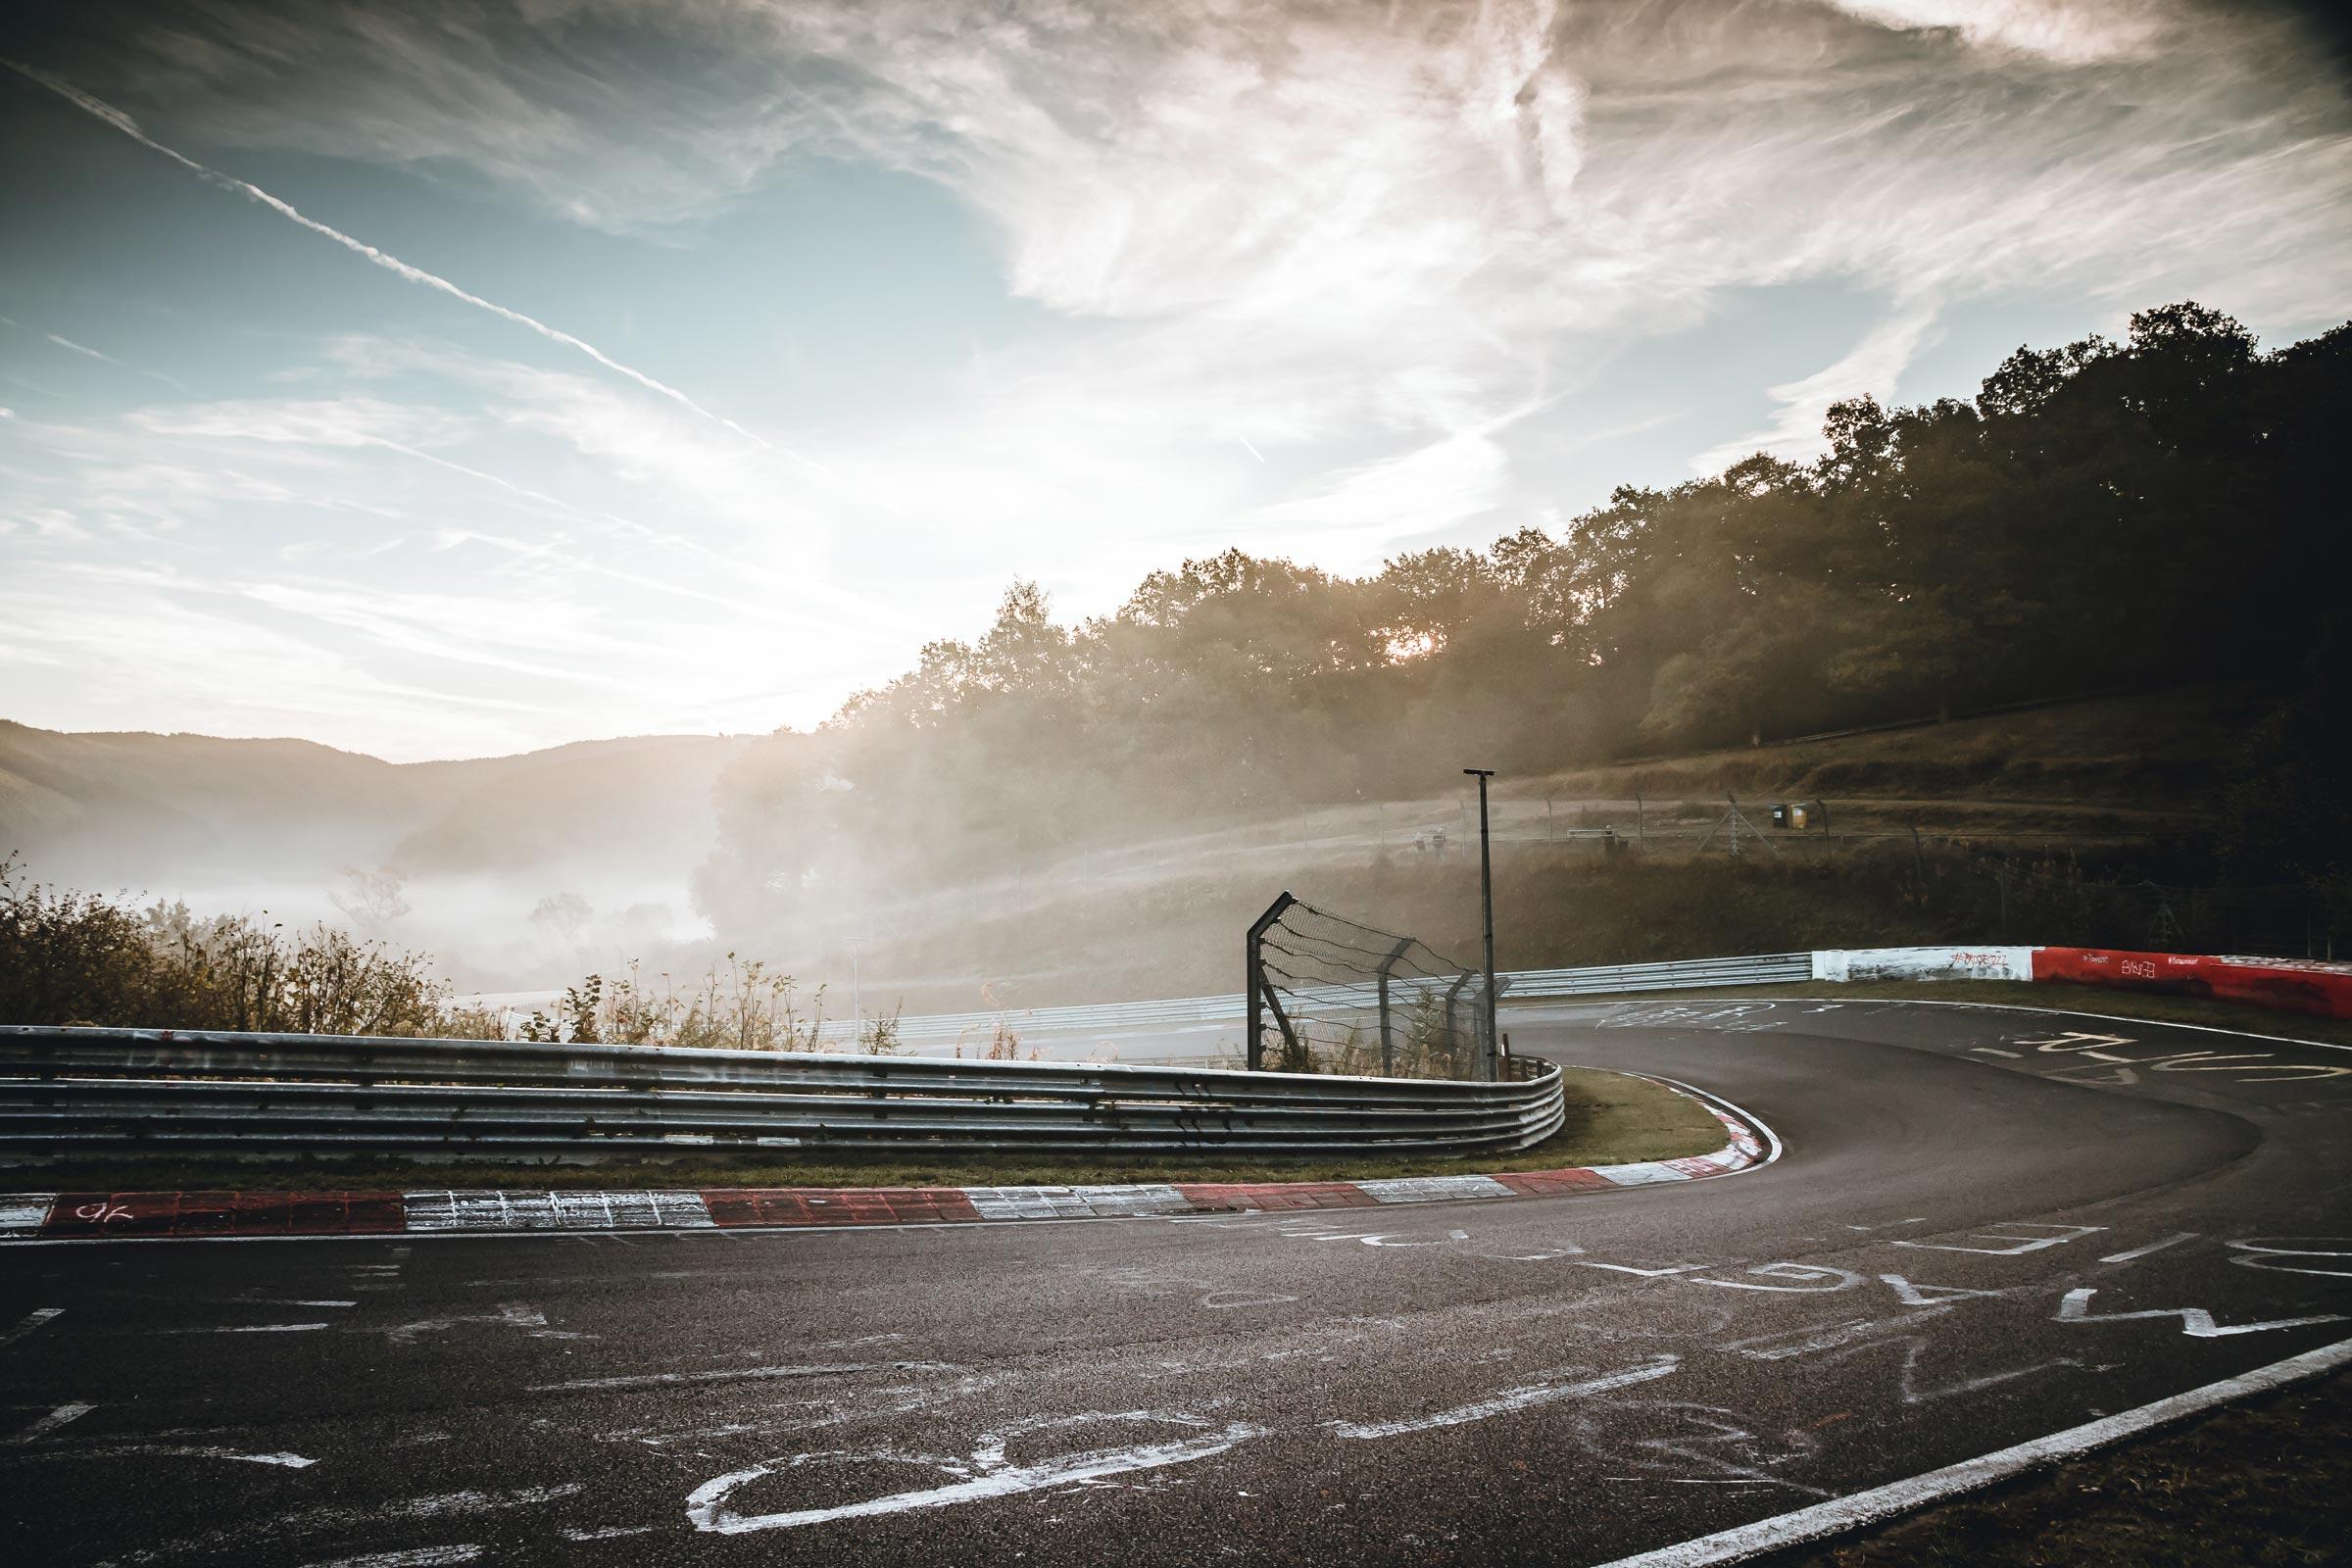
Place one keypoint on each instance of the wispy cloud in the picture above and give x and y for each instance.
(1869, 370)
(69, 343)
(383, 259)
(1305, 276)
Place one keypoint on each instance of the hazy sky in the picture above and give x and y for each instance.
(437, 380)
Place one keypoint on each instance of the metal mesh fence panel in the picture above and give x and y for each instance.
(1334, 995)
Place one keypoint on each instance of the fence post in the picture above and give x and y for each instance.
(1254, 973)
(1387, 1045)
(1453, 1037)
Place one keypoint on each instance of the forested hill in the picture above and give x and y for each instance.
(2165, 508)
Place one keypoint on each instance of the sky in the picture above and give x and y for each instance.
(439, 380)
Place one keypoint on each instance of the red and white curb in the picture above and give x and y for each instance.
(33, 1217)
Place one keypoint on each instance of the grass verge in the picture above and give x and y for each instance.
(2153, 1006)
(1612, 1119)
(2267, 1483)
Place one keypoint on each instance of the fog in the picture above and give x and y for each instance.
(1066, 810)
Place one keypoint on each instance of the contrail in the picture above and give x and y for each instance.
(391, 263)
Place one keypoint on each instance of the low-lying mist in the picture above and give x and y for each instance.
(1060, 811)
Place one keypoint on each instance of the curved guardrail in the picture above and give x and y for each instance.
(86, 1091)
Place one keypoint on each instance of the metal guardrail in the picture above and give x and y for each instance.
(87, 1091)
(1764, 969)
(1521, 985)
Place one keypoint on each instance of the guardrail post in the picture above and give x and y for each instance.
(1254, 972)
(1387, 1044)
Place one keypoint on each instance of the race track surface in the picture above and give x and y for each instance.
(1987, 1225)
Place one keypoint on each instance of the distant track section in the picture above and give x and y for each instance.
(86, 1091)
(2287, 984)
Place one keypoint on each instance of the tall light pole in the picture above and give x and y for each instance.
(1485, 890)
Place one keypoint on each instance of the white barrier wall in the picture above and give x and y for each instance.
(1923, 963)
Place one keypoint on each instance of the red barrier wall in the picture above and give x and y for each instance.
(2288, 984)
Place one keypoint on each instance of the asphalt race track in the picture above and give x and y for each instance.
(1987, 1225)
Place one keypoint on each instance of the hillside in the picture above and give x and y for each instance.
(145, 807)
(472, 847)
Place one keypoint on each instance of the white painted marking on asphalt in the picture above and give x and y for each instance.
(744, 1374)
(1995, 1050)
(1525, 1397)
(262, 1301)
(251, 1328)
(449, 1503)
(34, 1319)
(2018, 1244)
(52, 1421)
(1841, 1514)
(607, 1532)
(2195, 1321)
(513, 1315)
(290, 1461)
(1911, 1295)
(706, 1506)
(1392, 1239)
(1805, 1342)
(1644, 1273)
(2152, 1247)
(2254, 1254)
(414, 1557)
(2103, 1017)
(1812, 1279)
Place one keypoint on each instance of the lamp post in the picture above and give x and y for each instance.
(1486, 889)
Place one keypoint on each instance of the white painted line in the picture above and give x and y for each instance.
(1773, 1147)
(2060, 1012)
(745, 1374)
(1841, 1514)
(52, 1421)
(414, 1557)
(2152, 1247)
(706, 1507)
(34, 1320)
(260, 1301)
(470, 1501)
(1805, 1342)
(1526, 1398)
(290, 1461)
(2195, 1321)
(607, 1532)
(251, 1328)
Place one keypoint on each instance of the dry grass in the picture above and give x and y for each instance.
(1612, 1119)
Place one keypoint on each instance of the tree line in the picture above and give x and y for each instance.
(2103, 514)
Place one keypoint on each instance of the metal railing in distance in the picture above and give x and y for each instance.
(65, 1092)
(1521, 985)
(1764, 969)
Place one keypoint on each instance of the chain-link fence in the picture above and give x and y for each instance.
(1327, 993)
